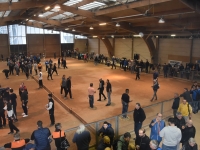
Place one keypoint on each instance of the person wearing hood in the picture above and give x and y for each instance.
(171, 136)
(107, 130)
(50, 108)
(156, 126)
(186, 95)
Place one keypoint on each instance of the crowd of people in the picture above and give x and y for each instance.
(180, 128)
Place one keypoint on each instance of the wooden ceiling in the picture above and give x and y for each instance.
(134, 16)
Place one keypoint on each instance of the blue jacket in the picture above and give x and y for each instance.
(154, 130)
(194, 94)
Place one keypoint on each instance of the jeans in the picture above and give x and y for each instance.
(91, 100)
(124, 109)
(109, 98)
(137, 127)
(164, 147)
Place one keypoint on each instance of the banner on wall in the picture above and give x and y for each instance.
(175, 62)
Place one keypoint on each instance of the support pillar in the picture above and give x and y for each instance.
(191, 50)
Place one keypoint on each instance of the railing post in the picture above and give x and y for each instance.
(116, 126)
(97, 137)
(161, 111)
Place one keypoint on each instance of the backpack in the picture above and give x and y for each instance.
(115, 144)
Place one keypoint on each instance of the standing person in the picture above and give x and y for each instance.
(47, 65)
(40, 66)
(35, 67)
(155, 89)
(147, 66)
(138, 117)
(175, 104)
(40, 79)
(1, 57)
(41, 137)
(16, 69)
(8, 108)
(64, 64)
(54, 69)
(123, 142)
(2, 114)
(171, 136)
(24, 99)
(63, 86)
(142, 141)
(101, 89)
(6, 72)
(109, 91)
(186, 95)
(165, 69)
(49, 73)
(59, 136)
(82, 138)
(13, 98)
(185, 109)
(155, 75)
(91, 92)
(69, 85)
(26, 70)
(137, 68)
(107, 130)
(50, 108)
(125, 99)
(113, 62)
(59, 62)
(156, 126)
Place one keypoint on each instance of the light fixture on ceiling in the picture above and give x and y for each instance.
(57, 6)
(173, 35)
(27, 19)
(40, 15)
(66, 28)
(112, 36)
(103, 38)
(161, 20)
(117, 25)
(156, 36)
(94, 36)
(47, 8)
(123, 38)
(91, 28)
(141, 34)
(73, 30)
(34, 14)
(102, 24)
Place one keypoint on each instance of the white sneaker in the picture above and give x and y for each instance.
(25, 115)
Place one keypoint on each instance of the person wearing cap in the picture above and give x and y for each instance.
(40, 79)
(155, 89)
(17, 144)
(59, 136)
(50, 108)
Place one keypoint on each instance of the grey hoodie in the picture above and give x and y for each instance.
(171, 135)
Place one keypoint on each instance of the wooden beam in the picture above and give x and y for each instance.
(55, 14)
(129, 6)
(34, 24)
(193, 4)
(84, 2)
(52, 22)
(73, 19)
(22, 5)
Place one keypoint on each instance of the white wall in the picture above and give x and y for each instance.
(93, 45)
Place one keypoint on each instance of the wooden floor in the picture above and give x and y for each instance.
(82, 75)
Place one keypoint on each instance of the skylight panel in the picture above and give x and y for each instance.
(47, 13)
(68, 13)
(1, 13)
(60, 16)
(91, 5)
(72, 2)
(7, 13)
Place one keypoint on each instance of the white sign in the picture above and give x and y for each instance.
(175, 62)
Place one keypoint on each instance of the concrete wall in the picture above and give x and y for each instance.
(93, 45)
(48, 44)
(4, 45)
(81, 45)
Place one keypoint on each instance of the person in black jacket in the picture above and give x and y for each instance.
(190, 145)
(13, 98)
(24, 99)
(54, 69)
(101, 89)
(137, 69)
(155, 89)
(69, 85)
(49, 73)
(50, 108)
(107, 130)
(186, 95)
(188, 132)
(109, 91)
(59, 62)
(6, 71)
(142, 141)
(175, 104)
(165, 69)
(180, 121)
(147, 66)
(2, 114)
(138, 116)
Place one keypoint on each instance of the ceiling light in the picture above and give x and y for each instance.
(66, 28)
(123, 38)
(112, 36)
(103, 38)
(34, 14)
(91, 28)
(47, 8)
(156, 36)
(102, 24)
(94, 36)
(40, 15)
(117, 25)
(73, 30)
(161, 20)
(57, 6)
(173, 35)
(141, 34)
(27, 19)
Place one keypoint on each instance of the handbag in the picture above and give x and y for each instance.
(64, 144)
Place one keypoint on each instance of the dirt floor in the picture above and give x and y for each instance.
(82, 75)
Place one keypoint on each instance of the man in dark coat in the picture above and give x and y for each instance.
(138, 116)
(180, 121)
(186, 95)
(107, 130)
(165, 69)
(50, 108)
(142, 141)
(49, 73)
(147, 66)
(175, 104)
(69, 85)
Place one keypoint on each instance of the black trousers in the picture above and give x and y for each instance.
(40, 83)
(14, 110)
(6, 74)
(61, 90)
(24, 107)
(113, 65)
(27, 74)
(70, 92)
(52, 118)
(11, 70)
(35, 71)
(2, 119)
(55, 72)
(137, 76)
(58, 65)
(49, 75)
(11, 125)
(147, 69)
(101, 93)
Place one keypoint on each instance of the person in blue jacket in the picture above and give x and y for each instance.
(154, 145)
(194, 92)
(156, 126)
